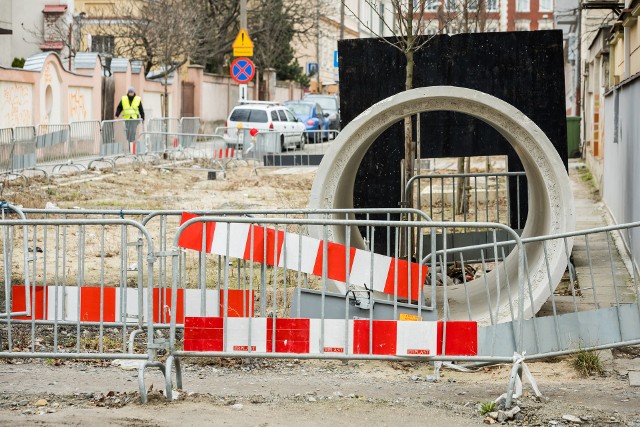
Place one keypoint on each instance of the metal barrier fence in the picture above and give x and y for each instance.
(69, 309)
(6, 151)
(24, 150)
(120, 137)
(263, 281)
(162, 135)
(189, 128)
(52, 143)
(84, 141)
(468, 196)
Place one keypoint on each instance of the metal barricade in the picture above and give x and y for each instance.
(479, 196)
(52, 144)
(24, 150)
(162, 135)
(84, 300)
(120, 138)
(6, 151)
(84, 141)
(189, 129)
(295, 296)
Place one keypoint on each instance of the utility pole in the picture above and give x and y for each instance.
(342, 19)
(243, 14)
(319, 88)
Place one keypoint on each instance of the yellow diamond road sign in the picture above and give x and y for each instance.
(242, 46)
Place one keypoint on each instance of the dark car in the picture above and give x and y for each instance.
(311, 114)
(330, 104)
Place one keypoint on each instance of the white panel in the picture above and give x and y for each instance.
(416, 338)
(71, 303)
(131, 304)
(192, 301)
(361, 270)
(307, 248)
(334, 336)
(237, 339)
(238, 234)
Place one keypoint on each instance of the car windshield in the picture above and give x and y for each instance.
(249, 115)
(328, 104)
(300, 109)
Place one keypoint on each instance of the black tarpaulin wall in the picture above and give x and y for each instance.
(525, 69)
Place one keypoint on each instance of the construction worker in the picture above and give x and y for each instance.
(131, 108)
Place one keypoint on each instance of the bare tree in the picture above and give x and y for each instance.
(163, 34)
(409, 35)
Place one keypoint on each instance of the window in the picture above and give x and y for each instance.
(432, 5)
(283, 116)
(522, 5)
(546, 5)
(290, 117)
(523, 25)
(545, 24)
(451, 4)
(274, 116)
(472, 5)
(492, 5)
(102, 44)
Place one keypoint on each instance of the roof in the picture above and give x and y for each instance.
(136, 67)
(119, 65)
(85, 60)
(52, 46)
(54, 8)
(36, 62)
(154, 75)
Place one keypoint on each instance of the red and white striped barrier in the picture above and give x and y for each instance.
(351, 337)
(293, 251)
(85, 305)
(224, 153)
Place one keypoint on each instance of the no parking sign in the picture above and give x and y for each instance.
(242, 70)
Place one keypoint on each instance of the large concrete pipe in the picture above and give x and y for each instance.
(551, 207)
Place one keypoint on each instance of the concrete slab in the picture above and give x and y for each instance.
(634, 379)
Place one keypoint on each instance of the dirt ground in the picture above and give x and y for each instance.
(270, 393)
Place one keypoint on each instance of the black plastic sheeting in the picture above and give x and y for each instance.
(524, 69)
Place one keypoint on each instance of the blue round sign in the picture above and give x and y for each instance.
(242, 70)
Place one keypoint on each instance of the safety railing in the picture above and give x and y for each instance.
(24, 149)
(84, 140)
(304, 297)
(52, 144)
(189, 129)
(70, 308)
(6, 151)
(469, 196)
(162, 135)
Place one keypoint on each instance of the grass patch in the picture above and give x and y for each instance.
(587, 363)
(486, 407)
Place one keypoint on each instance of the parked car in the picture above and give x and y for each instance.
(264, 117)
(311, 114)
(330, 104)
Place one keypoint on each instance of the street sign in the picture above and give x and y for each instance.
(242, 46)
(312, 68)
(242, 70)
(335, 59)
(243, 92)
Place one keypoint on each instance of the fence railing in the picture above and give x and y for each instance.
(89, 284)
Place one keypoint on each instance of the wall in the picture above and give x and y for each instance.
(621, 158)
(48, 93)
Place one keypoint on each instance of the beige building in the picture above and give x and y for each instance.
(318, 52)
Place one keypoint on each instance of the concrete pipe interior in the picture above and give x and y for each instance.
(551, 209)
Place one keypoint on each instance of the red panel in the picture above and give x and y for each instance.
(90, 304)
(462, 338)
(336, 261)
(238, 307)
(162, 304)
(259, 254)
(191, 237)
(203, 333)
(19, 302)
(385, 333)
(417, 279)
(292, 335)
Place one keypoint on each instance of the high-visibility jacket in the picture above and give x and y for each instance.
(130, 111)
